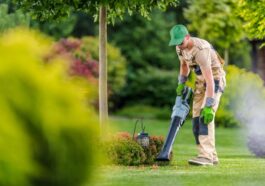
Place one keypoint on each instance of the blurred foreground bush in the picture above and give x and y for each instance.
(47, 133)
(121, 149)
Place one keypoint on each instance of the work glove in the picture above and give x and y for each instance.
(207, 115)
(180, 89)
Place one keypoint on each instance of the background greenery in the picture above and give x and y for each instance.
(152, 66)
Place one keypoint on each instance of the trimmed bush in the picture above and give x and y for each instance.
(121, 149)
(155, 145)
(47, 134)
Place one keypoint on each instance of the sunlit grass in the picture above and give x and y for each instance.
(237, 166)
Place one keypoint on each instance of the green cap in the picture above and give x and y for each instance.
(177, 34)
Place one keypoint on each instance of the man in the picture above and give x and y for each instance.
(198, 55)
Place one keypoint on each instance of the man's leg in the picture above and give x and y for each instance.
(206, 135)
(198, 128)
(207, 141)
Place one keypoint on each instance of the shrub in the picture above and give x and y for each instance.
(155, 145)
(226, 119)
(123, 150)
(47, 132)
(116, 62)
(83, 55)
(81, 62)
(150, 86)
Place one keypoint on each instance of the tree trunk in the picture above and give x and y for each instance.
(226, 56)
(103, 89)
(254, 56)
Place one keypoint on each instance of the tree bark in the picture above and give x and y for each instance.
(254, 56)
(103, 89)
(226, 56)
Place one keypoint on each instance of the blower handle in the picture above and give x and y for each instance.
(135, 125)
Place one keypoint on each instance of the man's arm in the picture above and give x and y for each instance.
(203, 58)
(208, 76)
(184, 71)
(183, 77)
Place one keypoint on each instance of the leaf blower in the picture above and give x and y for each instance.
(180, 111)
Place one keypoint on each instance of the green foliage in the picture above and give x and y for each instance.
(56, 29)
(144, 111)
(76, 25)
(219, 23)
(11, 20)
(152, 65)
(216, 21)
(122, 150)
(48, 135)
(239, 54)
(150, 87)
(43, 10)
(144, 42)
(253, 14)
(226, 118)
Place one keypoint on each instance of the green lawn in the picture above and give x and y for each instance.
(237, 166)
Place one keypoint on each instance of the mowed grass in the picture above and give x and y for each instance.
(237, 165)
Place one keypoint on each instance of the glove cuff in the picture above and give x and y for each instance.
(182, 79)
(209, 102)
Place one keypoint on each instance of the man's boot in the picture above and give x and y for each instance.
(200, 161)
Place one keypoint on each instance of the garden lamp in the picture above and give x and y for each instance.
(142, 137)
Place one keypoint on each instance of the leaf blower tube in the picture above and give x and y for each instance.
(180, 111)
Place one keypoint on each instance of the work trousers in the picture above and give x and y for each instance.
(205, 133)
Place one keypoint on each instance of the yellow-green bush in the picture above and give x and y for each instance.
(242, 86)
(46, 133)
